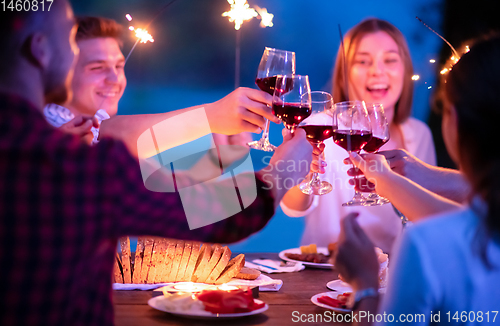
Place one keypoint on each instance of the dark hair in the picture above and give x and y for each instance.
(17, 27)
(93, 27)
(402, 109)
(472, 87)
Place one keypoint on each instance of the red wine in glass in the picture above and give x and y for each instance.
(317, 134)
(291, 114)
(358, 139)
(374, 144)
(268, 85)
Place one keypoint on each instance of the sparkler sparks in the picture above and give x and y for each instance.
(142, 35)
(240, 12)
(266, 18)
(415, 77)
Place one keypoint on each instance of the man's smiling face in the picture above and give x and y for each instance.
(99, 78)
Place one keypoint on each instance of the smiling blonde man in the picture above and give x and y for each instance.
(99, 82)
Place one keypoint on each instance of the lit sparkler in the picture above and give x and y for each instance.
(445, 40)
(142, 35)
(240, 12)
(454, 58)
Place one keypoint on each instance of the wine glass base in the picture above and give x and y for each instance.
(376, 200)
(322, 188)
(355, 202)
(262, 144)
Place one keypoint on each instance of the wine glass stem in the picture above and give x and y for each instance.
(314, 178)
(315, 175)
(357, 194)
(265, 132)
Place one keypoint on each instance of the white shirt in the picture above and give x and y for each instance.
(382, 225)
(437, 267)
(57, 115)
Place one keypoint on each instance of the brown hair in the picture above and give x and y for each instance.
(352, 38)
(472, 87)
(93, 27)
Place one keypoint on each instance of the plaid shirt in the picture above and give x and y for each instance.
(63, 206)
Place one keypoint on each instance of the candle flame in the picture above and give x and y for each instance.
(240, 12)
(225, 287)
(266, 18)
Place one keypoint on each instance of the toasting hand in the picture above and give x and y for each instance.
(244, 109)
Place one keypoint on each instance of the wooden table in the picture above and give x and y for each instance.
(289, 304)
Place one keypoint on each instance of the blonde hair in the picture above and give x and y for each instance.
(402, 109)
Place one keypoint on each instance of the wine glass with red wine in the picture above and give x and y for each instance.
(352, 131)
(380, 136)
(274, 62)
(292, 99)
(318, 128)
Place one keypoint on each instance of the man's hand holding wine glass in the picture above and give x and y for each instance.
(242, 110)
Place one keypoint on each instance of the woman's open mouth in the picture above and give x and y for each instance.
(378, 90)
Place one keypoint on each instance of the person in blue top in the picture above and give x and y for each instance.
(446, 269)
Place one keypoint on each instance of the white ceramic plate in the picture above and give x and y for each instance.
(321, 250)
(333, 295)
(341, 287)
(156, 303)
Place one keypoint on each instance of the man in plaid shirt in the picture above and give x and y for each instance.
(63, 204)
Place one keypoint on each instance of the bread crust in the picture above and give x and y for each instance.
(214, 259)
(169, 257)
(126, 268)
(139, 254)
(193, 258)
(179, 249)
(188, 246)
(159, 252)
(118, 274)
(248, 273)
(202, 262)
(232, 269)
(219, 267)
(146, 260)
